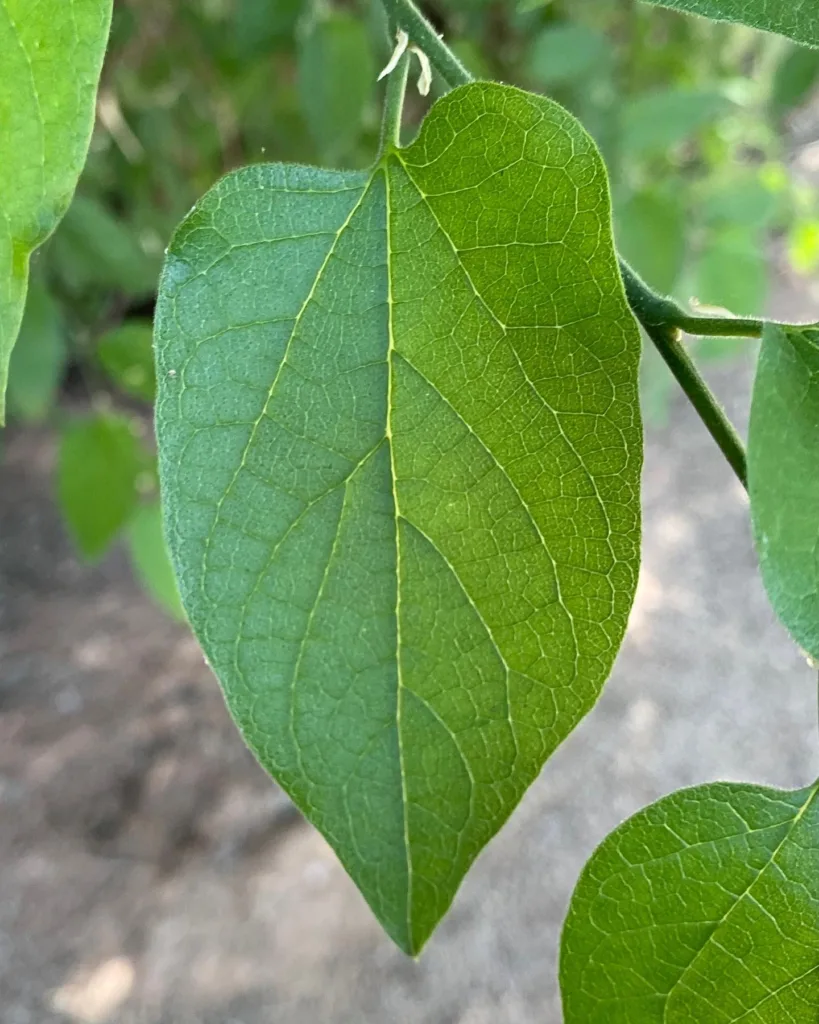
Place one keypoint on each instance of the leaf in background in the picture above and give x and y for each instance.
(567, 52)
(796, 75)
(149, 556)
(798, 19)
(650, 233)
(51, 58)
(336, 79)
(702, 907)
(400, 454)
(126, 354)
(262, 25)
(92, 247)
(657, 387)
(783, 476)
(99, 463)
(732, 273)
(745, 201)
(656, 121)
(38, 359)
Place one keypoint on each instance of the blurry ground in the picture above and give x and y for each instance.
(150, 873)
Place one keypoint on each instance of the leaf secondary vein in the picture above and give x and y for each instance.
(739, 899)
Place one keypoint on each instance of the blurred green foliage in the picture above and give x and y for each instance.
(690, 116)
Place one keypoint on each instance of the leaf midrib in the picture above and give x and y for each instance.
(397, 531)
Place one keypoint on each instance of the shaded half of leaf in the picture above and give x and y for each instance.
(400, 452)
(702, 907)
(783, 476)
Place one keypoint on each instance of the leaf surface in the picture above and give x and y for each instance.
(702, 907)
(400, 454)
(783, 476)
(798, 19)
(51, 58)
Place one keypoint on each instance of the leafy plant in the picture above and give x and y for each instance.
(399, 445)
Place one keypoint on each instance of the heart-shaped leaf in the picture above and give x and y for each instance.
(798, 19)
(400, 454)
(783, 476)
(51, 58)
(702, 907)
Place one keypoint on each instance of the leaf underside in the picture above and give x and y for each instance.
(798, 19)
(400, 453)
(51, 55)
(702, 907)
(783, 476)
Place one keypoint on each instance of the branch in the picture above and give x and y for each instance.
(662, 320)
(654, 310)
(406, 15)
(394, 103)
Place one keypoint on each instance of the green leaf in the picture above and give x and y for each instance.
(798, 19)
(400, 455)
(702, 907)
(783, 476)
(261, 25)
(745, 200)
(656, 121)
(149, 556)
(38, 359)
(650, 231)
(797, 73)
(336, 78)
(51, 58)
(127, 356)
(94, 248)
(567, 52)
(732, 273)
(99, 464)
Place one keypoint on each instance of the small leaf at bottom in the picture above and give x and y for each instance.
(702, 907)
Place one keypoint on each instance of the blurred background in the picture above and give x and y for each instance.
(149, 871)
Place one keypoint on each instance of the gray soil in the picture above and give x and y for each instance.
(151, 873)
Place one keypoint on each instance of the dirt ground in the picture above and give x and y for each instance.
(151, 874)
